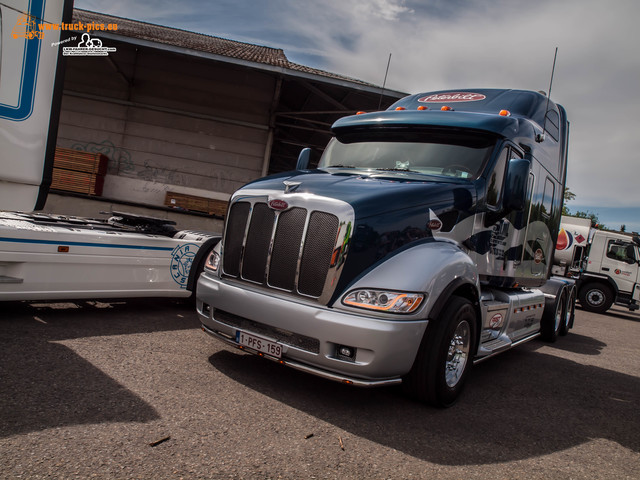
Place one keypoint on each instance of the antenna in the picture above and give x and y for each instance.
(540, 137)
(384, 83)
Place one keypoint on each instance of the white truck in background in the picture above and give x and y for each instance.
(57, 256)
(604, 264)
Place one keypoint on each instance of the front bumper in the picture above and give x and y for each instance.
(311, 334)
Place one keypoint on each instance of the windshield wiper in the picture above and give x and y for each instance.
(341, 166)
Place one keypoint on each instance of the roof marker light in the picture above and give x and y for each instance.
(400, 108)
(422, 107)
(360, 112)
(505, 113)
(446, 108)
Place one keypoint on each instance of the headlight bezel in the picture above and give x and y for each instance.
(212, 263)
(383, 300)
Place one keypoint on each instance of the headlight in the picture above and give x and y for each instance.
(213, 261)
(384, 300)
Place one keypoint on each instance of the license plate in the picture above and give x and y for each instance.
(259, 344)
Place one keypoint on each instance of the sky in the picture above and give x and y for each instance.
(463, 44)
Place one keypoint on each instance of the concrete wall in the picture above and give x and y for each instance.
(167, 122)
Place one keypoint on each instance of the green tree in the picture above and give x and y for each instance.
(568, 196)
(594, 219)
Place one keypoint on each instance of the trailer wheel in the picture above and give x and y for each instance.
(445, 356)
(569, 312)
(596, 297)
(554, 316)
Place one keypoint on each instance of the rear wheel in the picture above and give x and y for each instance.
(445, 355)
(554, 316)
(596, 297)
(569, 312)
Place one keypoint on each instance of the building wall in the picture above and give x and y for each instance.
(167, 122)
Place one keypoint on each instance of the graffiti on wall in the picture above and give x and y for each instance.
(119, 158)
(121, 163)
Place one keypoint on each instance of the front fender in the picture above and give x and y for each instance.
(430, 267)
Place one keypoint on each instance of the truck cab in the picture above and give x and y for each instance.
(611, 274)
(421, 243)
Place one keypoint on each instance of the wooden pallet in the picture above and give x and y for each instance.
(78, 161)
(79, 172)
(193, 203)
(79, 182)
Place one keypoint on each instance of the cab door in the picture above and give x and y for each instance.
(620, 262)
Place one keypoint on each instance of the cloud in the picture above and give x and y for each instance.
(506, 44)
(453, 44)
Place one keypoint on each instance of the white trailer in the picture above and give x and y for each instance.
(57, 256)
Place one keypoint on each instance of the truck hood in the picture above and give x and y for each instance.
(392, 211)
(377, 194)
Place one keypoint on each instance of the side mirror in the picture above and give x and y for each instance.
(515, 186)
(303, 159)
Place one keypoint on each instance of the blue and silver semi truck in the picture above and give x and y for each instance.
(421, 244)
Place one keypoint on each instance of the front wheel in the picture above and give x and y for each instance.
(596, 297)
(445, 355)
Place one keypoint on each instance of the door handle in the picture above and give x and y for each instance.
(605, 269)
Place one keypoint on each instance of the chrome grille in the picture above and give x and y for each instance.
(292, 250)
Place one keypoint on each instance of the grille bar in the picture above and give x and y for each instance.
(234, 236)
(286, 248)
(316, 257)
(256, 251)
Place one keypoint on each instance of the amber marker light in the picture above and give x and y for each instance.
(446, 108)
(422, 107)
(400, 108)
(360, 113)
(505, 113)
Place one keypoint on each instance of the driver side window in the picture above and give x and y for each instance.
(619, 251)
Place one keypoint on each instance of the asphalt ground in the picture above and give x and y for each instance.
(134, 389)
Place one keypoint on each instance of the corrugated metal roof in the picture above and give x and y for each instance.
(204, 43)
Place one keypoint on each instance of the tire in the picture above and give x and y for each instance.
(569, 312)
(554, 316)
(596, 297)
(445, 356)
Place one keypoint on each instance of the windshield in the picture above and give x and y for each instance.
(460, 155)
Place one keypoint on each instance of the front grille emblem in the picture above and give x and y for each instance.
(277, 204)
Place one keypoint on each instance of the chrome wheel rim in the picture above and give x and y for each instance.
(458, 354)
(595, 297)
(559, 310)
(569, 310)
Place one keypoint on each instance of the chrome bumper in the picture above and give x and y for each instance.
(385, 349)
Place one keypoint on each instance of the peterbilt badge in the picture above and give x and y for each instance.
(277, 204)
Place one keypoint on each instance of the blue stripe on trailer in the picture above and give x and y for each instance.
(84, 244)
